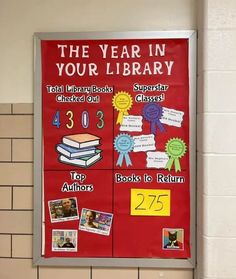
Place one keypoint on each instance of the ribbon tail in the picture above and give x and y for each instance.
(120, 160)
(153, 127)
(127, 160)
(126, 112)
(177, 165)
(169, 163)
(119, 118)
(160, 126)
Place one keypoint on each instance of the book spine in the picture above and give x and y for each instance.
(71, 143)
(64, 152)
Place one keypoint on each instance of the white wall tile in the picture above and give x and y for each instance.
(5, 149)
(22, 150)
(219, 91)
(217, 133)
(219, 175)
(5, 197)
(16, 222)
(5, 244)
(17, 268)
(221, 14)
(16, 174)
(114, 273)
(64, 272)
(220, 50)
(219, 260)
(219, 219)
(22, 246)
(146, 273)
(22, 197)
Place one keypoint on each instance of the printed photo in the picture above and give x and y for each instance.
(95, 221)
(63, 210)
(64, 240)
(173, 239)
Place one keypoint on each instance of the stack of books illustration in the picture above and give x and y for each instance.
(79, 150)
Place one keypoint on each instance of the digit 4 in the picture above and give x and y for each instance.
(56, 119)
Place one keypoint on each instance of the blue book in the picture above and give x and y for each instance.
(73, 152)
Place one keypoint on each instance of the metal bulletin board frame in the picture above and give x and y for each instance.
(38, 258)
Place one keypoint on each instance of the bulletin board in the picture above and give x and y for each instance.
(114, 159)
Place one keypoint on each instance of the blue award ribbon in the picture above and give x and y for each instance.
(124, 143)
(152, 112)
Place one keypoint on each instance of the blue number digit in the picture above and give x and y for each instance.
(56, 119)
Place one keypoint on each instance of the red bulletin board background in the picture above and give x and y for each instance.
(130, 236)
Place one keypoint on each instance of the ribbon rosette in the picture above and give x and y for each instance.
(153, 112)
(122, 102)
(175, 148)
(124, 143)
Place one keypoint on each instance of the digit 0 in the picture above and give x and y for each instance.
(85, 119)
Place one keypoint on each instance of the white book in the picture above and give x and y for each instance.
(84, 162)
(72, 152)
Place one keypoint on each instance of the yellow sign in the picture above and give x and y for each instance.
(150, 202)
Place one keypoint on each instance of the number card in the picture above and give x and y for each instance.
(114, 149)
(148, 202)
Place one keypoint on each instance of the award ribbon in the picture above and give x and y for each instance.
(175, 148)
(124, 143)
(122, 102)
(152, 112)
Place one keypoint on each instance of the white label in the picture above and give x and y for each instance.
(131, 123)
(172, 117)
(144, 143)
(157, 159)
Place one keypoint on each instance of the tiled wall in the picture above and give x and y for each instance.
(16, 208)
(216, 139)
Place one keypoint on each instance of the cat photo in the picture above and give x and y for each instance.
(173, 239)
